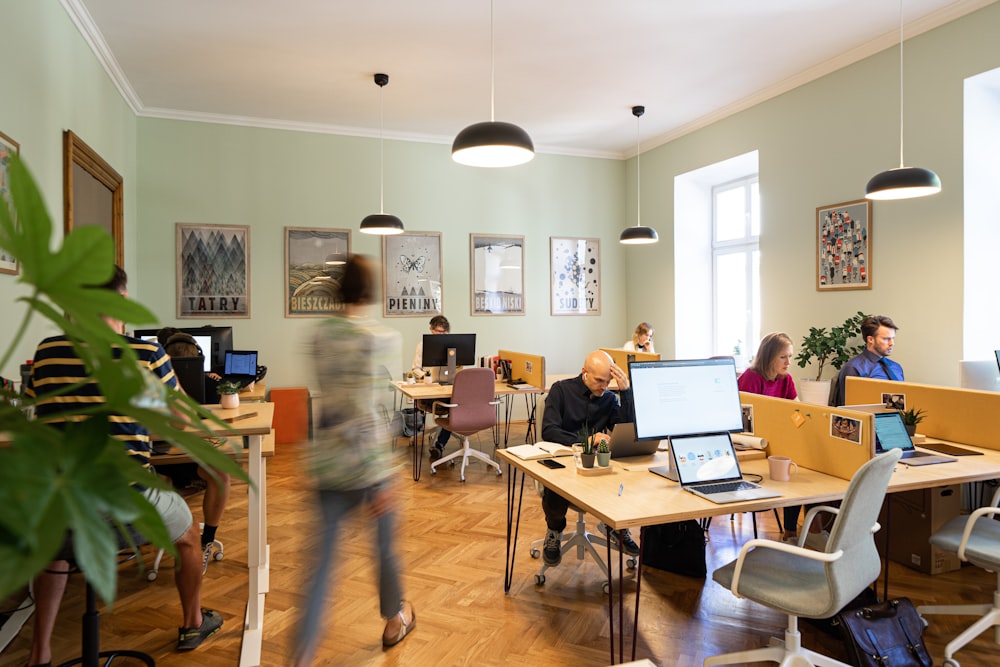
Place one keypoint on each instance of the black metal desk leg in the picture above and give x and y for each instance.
(513, 524)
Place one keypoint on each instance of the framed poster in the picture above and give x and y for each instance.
(8, 148)
(213, 270)
(497, 274)
(575, 266)
(411, 274)
(314, 264)
(843, 246)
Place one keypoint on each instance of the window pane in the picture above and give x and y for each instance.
(730, 214)
(731, 304)
(754, 209)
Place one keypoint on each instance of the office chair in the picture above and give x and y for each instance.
(472, 409)
(812, 584)
(190, 372)
(974, 538)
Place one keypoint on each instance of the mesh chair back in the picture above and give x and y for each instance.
(473, 392)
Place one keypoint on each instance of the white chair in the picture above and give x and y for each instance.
(974, 538)
(471, 410)
(812, 584)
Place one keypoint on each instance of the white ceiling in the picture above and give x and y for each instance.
(567, 71)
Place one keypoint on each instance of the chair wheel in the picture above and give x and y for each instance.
(434, 471)
(151, 575)
(218, 555)
(535, 553)
(539, 579)
(499, 473)
(925, 622)
(452, 463)
(630, 563)
(605, 588)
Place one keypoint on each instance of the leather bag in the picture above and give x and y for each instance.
(675, 547)
(887, 634)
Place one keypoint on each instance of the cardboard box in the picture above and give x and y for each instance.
(913, 517)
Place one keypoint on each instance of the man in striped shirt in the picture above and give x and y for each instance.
(56, 366)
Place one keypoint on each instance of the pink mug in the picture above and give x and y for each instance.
(781, 468)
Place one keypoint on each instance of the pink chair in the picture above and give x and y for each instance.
(472, 409)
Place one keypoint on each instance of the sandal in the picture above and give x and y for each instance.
(404, 627)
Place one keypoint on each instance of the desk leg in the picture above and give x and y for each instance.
(513, 524)
(621, 601)
(531, 403)
(417, 443)
(258, 553)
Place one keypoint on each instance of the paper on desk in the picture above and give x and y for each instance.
(746, 441)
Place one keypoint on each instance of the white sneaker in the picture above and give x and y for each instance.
(817, 541)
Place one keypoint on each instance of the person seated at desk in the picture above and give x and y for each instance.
(572, 404)
(879, 334)
(180, 344)
(56, 371)
(642, 339)
(439, 325)
(768, 376)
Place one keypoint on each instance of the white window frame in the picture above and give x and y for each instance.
(749, 245)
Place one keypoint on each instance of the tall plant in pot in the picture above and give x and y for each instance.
(828, 348)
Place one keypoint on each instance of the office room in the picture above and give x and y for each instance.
(812, 141)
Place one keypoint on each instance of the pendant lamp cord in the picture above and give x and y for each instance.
(493, 68)
(381, 149)
(900, 84)
(638, 177)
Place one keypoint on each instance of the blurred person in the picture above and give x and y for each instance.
(642, 339)
(347, 456)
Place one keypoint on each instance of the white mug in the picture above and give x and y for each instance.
(781, 468)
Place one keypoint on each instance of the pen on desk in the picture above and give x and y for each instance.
(621, 487)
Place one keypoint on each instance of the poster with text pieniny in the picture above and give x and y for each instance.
(213, 271)
(497, 274)
(411, 274)
(314, 265)
(576, 276)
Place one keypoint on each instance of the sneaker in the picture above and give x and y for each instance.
(189, 639)
(206, 555)
(627, 545)
(435, 452)
(552, 551)
(817, 541)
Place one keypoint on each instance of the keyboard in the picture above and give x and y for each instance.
(725, 487)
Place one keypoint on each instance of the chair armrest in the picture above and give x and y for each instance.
(444, 405)
(970, 523)
(496, 402)
(807, 521)
(777, 546)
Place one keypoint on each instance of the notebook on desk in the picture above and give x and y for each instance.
(890, 433)
(706, 465)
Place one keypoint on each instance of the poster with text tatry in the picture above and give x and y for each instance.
(213, 270)
(411, 274)
(576, 276)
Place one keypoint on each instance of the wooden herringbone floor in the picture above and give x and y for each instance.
(451, 544)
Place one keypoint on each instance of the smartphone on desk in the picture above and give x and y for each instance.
(551, 463)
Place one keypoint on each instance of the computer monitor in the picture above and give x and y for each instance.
(685, 397)
(982, 375)
(448, 351)
(221, 341)
(204, 341)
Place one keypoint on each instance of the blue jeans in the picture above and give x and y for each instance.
(334, 506)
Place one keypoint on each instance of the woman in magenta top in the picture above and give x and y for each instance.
(768, 374)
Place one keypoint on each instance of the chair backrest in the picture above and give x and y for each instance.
(474, 391)
(852, 531)
(190, 372)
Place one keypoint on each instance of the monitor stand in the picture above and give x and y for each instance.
(668, 470)
(447, 375)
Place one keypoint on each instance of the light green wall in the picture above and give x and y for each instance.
(268, 179)
(819, 144)
(51, 82)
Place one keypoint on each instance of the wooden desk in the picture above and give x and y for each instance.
(254, 394)
(634, 498)
(421, 391)
(256, 428)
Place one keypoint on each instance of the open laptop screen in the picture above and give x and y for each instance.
(705, 458)
(890, 433)
(239, 362)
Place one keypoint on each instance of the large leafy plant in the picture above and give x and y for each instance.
(79, 479)
(831, 346)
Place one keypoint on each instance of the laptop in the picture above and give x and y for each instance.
(241, 366)
(890, 433)
(624, 444)
(707, 466)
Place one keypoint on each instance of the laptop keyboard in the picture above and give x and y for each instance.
(725, 487)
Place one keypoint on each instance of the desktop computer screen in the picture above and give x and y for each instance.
(685, 397)
(436, 348)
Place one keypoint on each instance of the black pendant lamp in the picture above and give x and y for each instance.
(493, 143)
(902, 182)
(638, 235)
(381, 223)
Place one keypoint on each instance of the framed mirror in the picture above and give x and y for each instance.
(92, 192)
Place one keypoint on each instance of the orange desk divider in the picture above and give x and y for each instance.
(527, 367)
(291, 414)
(804, 433)
(966, 416)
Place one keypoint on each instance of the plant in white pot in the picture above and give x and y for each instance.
(827, 347)
(229, 394)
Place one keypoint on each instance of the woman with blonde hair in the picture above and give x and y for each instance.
(642, 339)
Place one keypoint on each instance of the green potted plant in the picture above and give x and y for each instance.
(78, 478)
(603, 453)
(229, 394)
(587, 453)
(832, 348)
(912, 417)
